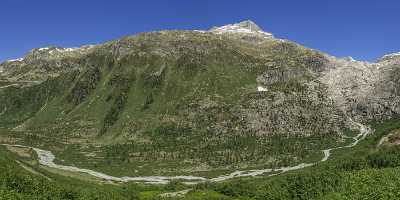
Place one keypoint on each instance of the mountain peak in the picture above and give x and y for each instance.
(246, 27)
(248, 24)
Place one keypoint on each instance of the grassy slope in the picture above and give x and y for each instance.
(17, 183)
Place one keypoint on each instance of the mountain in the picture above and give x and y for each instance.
(228, 98)
(246, 30)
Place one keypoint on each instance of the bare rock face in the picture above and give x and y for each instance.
(364, 90)
(279, 75)
(305, 113)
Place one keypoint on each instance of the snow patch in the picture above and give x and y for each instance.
(62, 50)
(44, 49)
(262, 89)
(16, 60)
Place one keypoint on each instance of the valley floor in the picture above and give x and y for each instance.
(350, 173)
(46, 158)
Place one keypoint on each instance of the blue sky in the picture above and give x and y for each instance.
(363, 29)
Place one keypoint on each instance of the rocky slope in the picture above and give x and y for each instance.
(362, 90)
(42, 63)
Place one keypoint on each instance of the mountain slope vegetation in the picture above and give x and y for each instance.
(181, 95)
(203, 103)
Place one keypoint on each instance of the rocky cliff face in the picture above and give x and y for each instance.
(363, 90)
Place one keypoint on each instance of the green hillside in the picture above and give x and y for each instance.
(181, 96)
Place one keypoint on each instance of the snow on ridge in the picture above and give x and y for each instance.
(61, 50)
(44, 49)
(237, 29)
(16, 60)
(240, 28)
(55, 50)
(391, 55)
